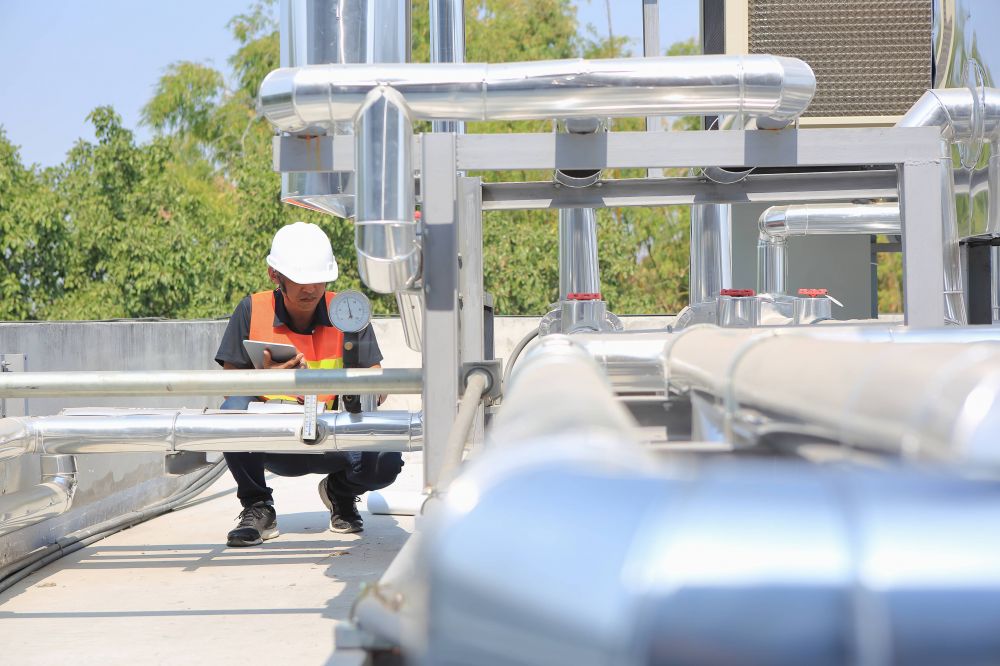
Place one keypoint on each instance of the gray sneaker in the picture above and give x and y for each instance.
(344, 516)
(257, 523)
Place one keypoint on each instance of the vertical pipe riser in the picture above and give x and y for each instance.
(579, 271)
(954, 291)
(447, 28)
(711, 252)
(385, 229)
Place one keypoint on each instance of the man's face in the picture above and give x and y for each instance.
(299, 298)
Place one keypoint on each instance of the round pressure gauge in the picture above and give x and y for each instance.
(350, 311)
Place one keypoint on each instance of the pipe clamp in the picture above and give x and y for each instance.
(494, 371)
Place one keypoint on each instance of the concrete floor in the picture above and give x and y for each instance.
(169, 591)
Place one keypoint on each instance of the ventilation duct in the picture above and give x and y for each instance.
(385, 231)
(773, 90)
(318, 32)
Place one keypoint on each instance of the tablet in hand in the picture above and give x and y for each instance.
(279, 352)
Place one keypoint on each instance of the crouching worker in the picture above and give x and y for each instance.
(300, 264)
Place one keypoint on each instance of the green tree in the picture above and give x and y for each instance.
(179, 226)
(32, 251)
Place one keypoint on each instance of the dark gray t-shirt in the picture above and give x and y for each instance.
(231, 349)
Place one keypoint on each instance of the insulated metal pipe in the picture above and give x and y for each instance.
(579, 272)
(632, 361)
(992, 178)
(385, 231)
(966, 119)
(168, 431)
(779, 222)
(937, 402)
(48, 499)
(711, 252)
(773, 89)
(316, 32)
(954, 284)
(447, 28)
(856, 566)
(557, 389)
(636, 362)
(937, 397)
(211, 382)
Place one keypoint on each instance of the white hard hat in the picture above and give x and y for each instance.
(302, 253)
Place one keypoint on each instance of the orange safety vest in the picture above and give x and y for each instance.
(323, 349)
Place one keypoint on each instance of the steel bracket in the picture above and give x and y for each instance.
(495, 370)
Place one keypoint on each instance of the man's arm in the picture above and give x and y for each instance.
(233, 356)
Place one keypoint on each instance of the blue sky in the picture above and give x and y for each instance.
(61, 63)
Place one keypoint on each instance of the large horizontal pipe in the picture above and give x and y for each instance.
(177, 430)
(931, 400)
(774, 90)
(779, 222)
(829, 219)
(634, 361)
(693, 564)
(211, 382)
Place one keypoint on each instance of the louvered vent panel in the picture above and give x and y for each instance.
(871, 57)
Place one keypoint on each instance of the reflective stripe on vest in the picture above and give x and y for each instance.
(323, 349)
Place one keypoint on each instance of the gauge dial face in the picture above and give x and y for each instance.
(350, 311)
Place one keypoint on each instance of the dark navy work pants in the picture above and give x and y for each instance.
(351, 472)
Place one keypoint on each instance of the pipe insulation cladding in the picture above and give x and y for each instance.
(969, 118)
(779, 222)
(176, 430)
(772, 89)
(721, 562)
(385, 231)
(319, 32)
(935, 398)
